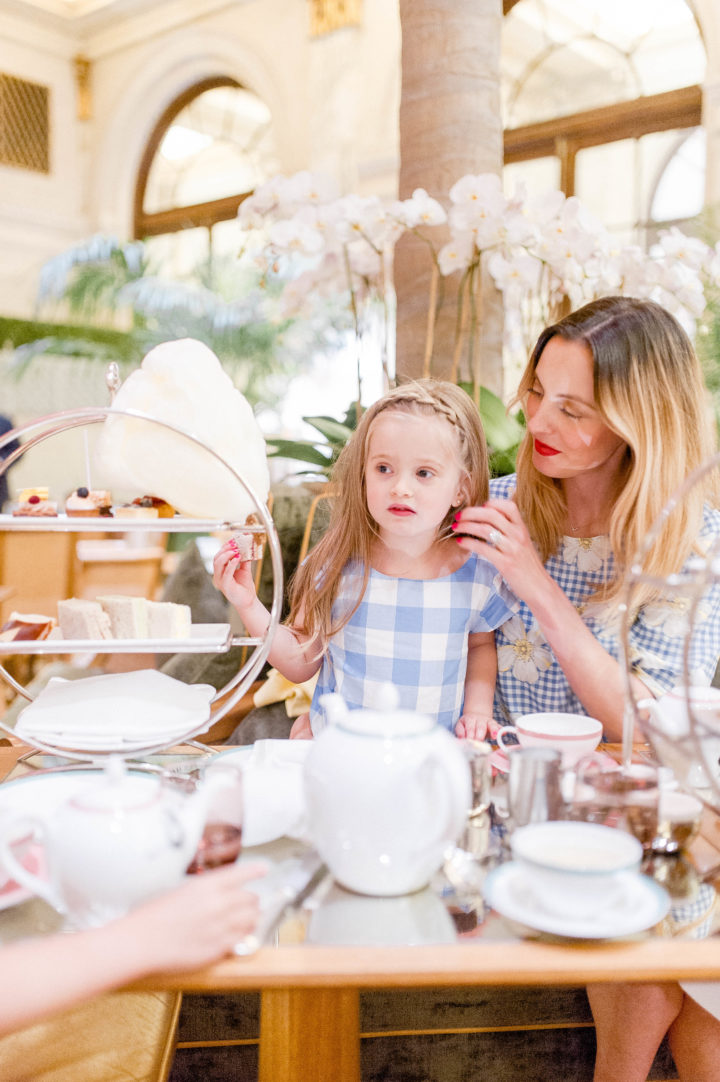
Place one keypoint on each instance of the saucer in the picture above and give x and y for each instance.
(499, 760)
(641, 904)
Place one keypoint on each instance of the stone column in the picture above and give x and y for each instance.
(450, 125)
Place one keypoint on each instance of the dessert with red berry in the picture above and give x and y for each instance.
(34, 501)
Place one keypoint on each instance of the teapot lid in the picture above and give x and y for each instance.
(385, 718)
(117, 789)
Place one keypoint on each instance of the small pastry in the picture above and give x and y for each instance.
(88, 502)
(26, 627)
(130, 510)
(34, 501)
(249, 546)
(163, 508)
(79, 503)
(102, 500)
(25, 493)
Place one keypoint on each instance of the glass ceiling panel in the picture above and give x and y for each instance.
(564, 56)
(221, 144)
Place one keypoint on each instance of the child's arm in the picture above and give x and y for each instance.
(480, 677)
(291, 654)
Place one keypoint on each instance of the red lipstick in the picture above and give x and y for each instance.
(545, 449)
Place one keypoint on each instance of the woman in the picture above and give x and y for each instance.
(617, 417)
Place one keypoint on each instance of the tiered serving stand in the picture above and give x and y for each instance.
(692, 747)
(204, 639)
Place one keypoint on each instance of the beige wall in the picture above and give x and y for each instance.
(333, 99)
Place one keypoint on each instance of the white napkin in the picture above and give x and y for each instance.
(116, 709)
(273, 792)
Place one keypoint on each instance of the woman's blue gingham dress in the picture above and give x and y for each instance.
(412, 633)
(529, 678)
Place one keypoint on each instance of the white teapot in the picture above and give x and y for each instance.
(116, 841)
(387, 791)
(690, 755)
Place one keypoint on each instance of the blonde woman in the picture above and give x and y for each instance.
(387, 596)
(617, 417)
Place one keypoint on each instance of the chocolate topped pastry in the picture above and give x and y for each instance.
(163, 508)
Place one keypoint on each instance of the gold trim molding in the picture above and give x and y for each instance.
(83, 87)
(329, 15)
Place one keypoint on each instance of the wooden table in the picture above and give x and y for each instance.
(309, 1023)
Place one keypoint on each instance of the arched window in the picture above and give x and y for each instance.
(209, 150)
(602, 99)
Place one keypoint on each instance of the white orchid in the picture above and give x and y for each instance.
(420, 209)
(539, 251)
(457, 254)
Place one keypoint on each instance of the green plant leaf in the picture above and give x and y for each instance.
(303, 451)
(502, 431)
(333, 431)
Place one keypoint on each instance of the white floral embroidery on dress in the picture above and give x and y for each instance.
(587, 553)
(671, 613)
(527, 654)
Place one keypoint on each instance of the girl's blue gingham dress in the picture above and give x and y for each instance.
(412, 633)
(529, 678)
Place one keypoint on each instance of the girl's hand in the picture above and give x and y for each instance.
(234, 576)
(496, 532)
(301, 729)
(474, 726)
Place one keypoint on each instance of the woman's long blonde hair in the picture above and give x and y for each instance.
(649, 390)
(352, 530)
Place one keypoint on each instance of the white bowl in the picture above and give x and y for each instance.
(575, 868)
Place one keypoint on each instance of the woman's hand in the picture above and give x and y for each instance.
(234, 577)
(496, 531)
(198, 922)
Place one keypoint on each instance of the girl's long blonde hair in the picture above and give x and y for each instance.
(649, 390)
(352, 530)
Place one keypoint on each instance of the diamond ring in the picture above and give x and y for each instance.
(494, 537)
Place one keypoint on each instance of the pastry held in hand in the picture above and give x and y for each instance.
(249, 546)
(183, 384)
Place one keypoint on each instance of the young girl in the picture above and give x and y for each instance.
(387, 595)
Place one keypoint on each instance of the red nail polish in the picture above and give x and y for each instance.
(453, 525)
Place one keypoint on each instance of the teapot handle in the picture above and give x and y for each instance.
(18, 872)
(452, 800)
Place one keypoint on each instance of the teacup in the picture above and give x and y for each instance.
(575, 869)
(573, 735)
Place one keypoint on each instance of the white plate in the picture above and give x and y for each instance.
(124, 711)
(204, 638)
(44, 792)
(643, 903)
(268, 752)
